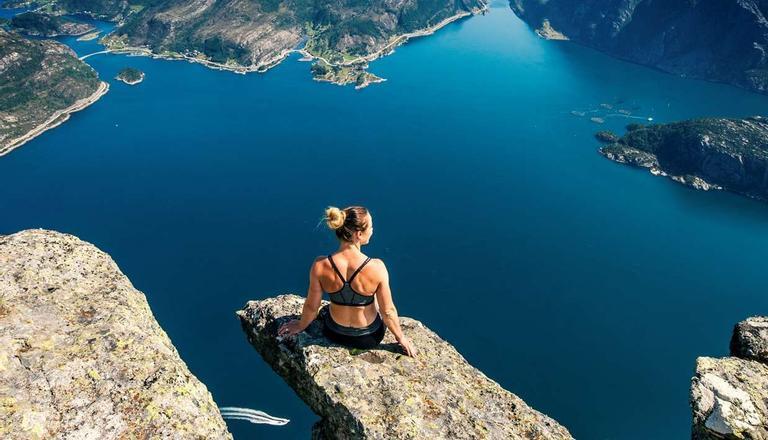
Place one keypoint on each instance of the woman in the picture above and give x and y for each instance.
(355, 317)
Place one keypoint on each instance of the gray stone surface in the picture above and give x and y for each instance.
(384, 394)
(729, 398)
(82, 357)
(750, 339)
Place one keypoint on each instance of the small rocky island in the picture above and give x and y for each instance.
(41, 83)
(82, 356)
(710, 153)
(46, 25)
(382, 393)
(343, 75)
(130, 76)
(729, 396)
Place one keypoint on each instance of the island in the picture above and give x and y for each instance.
(130, 76)
(383, 394)
(707, 153)
(723, 41)
(89, 36)
(729, 395)
(41, 83)
(257, 35)
(82, 356)
(46, 25)
(342, 75)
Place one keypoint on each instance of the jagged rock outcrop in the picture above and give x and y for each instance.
(723, 40)
(750, 339)
(729, 396)
(712, 153)
(82, 357)
(384, 394)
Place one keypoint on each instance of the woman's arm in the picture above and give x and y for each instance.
(311, 304)
(389, 312)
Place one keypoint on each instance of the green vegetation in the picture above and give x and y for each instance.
(702, 153)
(251, 33)
(45, 78)
(353, 74)
(35, 23)
(129, 75)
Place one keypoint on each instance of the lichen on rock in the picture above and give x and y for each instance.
(729, 396)
(81, 355)
(382, 393)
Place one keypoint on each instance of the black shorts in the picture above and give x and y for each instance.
(362, 337)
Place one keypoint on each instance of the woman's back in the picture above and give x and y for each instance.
(363, 279)
(361, 299)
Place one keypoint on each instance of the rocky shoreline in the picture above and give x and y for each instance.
(56, 119)
(115, 45)
(82, 356)
(686, 38)
(130, 76)
(382, 393)
(704, 154)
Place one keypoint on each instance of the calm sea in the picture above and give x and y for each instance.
(586, 287)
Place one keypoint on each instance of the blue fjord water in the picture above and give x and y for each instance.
(586, 287)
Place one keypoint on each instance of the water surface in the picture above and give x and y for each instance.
(586, 287)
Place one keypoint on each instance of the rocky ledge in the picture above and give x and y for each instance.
(710, 153)
(382, 393)
(82, 357)
(729, 396)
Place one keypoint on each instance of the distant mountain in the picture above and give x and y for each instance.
(41, 83)
(718, 40)
(258, 33)
(46, 25)
(711, 153)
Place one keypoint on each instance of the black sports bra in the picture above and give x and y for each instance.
(346, 295)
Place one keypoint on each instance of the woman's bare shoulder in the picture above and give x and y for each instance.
(319, 263)
(378, 266)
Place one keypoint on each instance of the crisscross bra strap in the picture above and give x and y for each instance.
(358, 270)
(336, 269)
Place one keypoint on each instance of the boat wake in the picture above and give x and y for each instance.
(251, 415)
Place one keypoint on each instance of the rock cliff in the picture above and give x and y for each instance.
(724, 40)
(82, 357)
(713, 153)
(384, 394)
(750, 339)
(729, 396)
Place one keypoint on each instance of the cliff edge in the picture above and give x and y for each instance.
(729, 396)
(82, 357)
(384, 394)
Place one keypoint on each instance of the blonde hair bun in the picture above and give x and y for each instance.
(335, 217)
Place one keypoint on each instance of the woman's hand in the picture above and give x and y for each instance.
(290, 328)
(407, 345)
